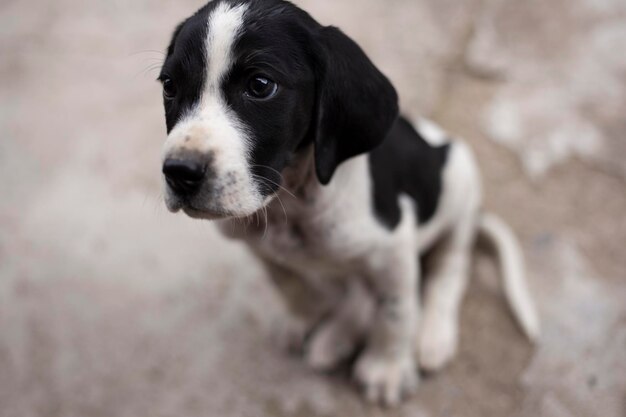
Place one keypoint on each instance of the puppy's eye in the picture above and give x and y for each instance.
(260, 87)
(169, 89)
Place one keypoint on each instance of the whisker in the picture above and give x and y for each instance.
(154, 202)
(266, 221)
(154, 59)
(270, 168)
(279, 175)
(147, 51)
(275, 183)
(275, 194)
(151, 68)
(148, 69)
(283, 206)
(248, 223)
(243, 224)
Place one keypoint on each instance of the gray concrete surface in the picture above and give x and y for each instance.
(110, 306)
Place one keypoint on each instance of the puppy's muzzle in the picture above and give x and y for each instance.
(184, 176)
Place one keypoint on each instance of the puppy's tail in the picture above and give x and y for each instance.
(511, 260)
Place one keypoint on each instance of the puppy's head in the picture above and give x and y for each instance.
(249, 84)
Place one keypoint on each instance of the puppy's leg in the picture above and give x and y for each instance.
(386, 368)
(445, 286)
(304, 306)
(337, 337)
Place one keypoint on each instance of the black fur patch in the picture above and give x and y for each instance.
(186, 65)
(406, 163)
(274, 43)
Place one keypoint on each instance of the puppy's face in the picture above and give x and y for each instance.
(238, 92)
(249, 83)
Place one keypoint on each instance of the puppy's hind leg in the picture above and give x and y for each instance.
(445, 287)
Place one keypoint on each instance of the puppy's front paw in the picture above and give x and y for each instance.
(386, 379)
(438, 342)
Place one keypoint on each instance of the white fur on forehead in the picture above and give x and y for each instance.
(225, 24)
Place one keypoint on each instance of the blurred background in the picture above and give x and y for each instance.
(111, 306)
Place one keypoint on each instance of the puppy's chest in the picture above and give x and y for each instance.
(309, 243)
(300, 239)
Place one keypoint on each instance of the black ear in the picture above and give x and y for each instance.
(356, 103)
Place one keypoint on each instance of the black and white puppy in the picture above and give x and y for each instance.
(286, 132)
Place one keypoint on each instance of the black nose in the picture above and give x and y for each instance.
(183, 176)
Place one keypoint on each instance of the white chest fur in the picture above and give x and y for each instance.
(319, 230)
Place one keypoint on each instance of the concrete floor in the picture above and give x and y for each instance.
(110, 306)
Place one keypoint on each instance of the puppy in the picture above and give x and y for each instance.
(285, 132)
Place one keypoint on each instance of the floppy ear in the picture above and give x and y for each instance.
(356, 103)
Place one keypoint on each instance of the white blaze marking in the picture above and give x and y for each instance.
(225, 24)
(227, 134)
